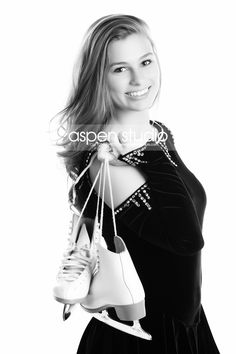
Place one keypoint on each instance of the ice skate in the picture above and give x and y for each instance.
(79, 261)
(116, 283)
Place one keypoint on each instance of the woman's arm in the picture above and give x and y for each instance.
(125, 180)
(166, 217)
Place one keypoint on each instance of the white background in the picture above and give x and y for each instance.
(195, 41)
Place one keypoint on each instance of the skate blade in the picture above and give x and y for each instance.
(135, 330)
(67, 310)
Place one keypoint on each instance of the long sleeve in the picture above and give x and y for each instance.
(161, 211)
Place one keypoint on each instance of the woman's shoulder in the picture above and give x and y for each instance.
(125, 180)
(161, 125)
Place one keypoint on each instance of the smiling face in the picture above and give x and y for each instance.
(133, 75)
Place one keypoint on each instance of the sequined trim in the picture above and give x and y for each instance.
(89, 155)
(86, 164)
(169, 131)
(163, 144)
(132, 158)
(166, 152)
(139, 197)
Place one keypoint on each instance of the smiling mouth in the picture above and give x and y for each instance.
(138, 93)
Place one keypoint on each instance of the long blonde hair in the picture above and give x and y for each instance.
(89, 106)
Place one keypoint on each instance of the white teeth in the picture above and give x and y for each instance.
(138, 93)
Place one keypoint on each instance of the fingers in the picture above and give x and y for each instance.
(117, 144)
(122, 138)
(112, 150)
(105, 152)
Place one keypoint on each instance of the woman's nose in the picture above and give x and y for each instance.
(135, 77)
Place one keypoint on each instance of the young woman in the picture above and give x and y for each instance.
(159, 203)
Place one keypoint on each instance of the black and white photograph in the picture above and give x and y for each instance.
(119, 184)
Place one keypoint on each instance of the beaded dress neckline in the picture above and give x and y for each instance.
(150, 140)
(137, 151)
(135, 158)
(132, 157)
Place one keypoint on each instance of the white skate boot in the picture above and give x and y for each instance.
(116, 284)
(78, 264)
(75, 273)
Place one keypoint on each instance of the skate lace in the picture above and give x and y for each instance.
(75, 260)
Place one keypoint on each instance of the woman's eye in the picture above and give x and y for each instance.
(148, 60)
(118, 70)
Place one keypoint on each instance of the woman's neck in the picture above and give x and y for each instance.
(138, 121)
(136, 126)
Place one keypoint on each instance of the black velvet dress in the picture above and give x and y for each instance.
(161, 224)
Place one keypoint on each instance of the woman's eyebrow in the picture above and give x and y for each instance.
(124, 62)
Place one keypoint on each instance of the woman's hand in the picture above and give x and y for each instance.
(112, 150)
